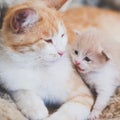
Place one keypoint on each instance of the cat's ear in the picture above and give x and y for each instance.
(58, 4)
(77, 33)
(105, 55)
(23, 18)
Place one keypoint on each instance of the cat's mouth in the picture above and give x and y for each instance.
(79, 69)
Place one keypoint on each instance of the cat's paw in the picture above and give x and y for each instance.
(31, 105)
(35, 113)
(94, 115)
(57, 116)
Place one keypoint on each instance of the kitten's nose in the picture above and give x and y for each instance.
(77, 62)
(61, 53)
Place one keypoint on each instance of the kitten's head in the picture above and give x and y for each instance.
(33, 29)
(87, 51)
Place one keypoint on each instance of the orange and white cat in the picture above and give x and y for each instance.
(96, 58)
(82, 18)
(35, 67)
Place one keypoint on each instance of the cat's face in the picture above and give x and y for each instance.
(87, 54)
(34, 32)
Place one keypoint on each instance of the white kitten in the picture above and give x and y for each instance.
(97, 60)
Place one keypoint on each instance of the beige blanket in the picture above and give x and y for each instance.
(9, 111)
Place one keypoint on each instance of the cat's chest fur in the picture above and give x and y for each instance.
(45, 81)
(103, 78)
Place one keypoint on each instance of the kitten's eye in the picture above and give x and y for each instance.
(62, 35)
(76, 52)
(49, 41)
(87, 59)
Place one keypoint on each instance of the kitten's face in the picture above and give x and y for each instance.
(35, 32)
(87, 54)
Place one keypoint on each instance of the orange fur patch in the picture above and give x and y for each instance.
(45, 27)
(82, 18)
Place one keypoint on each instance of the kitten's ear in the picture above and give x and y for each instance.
(57, 4)
(23, 18)
(77, 33)
(105, 55)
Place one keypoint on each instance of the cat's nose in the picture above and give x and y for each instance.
(77, 62)
(61, 53)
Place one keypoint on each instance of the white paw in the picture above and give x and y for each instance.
(31, 105)
(54, 118)
(94, 115)
(35, 113)
(57, 116)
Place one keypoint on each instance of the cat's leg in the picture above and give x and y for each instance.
(103, 97)
(76, 108)
(30, 104)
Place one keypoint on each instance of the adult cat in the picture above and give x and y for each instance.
(34, 66)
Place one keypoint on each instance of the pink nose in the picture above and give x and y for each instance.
(61, 53)
(77, 62)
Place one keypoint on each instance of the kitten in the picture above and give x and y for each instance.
(34, 65)
(96, 58)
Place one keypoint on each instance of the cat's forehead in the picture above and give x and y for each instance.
(48, 22)
(90, 41)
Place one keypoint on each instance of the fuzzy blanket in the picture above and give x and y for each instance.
(9, 111)
(112, 111)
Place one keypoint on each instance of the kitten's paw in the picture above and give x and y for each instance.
(94, 115)
(35, 113)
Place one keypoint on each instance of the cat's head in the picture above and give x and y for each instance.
(35, 30)
(87, 51)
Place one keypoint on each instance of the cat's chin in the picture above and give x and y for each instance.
(80, 70)
(50, 62)
(53, 60)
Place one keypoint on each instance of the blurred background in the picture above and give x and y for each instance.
(110, 4)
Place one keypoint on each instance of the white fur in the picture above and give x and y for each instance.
(32, 18)
(81, 112)
(24, 100)
(36, 72)
(66, 6)
(41, 75)
(45, 82)
(104, 82)
(59, 41)
(14, 65)
(99, 76)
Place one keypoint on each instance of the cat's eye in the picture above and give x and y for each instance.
(49, 41)
(62, 35)
(87, 59)
(76, 52)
